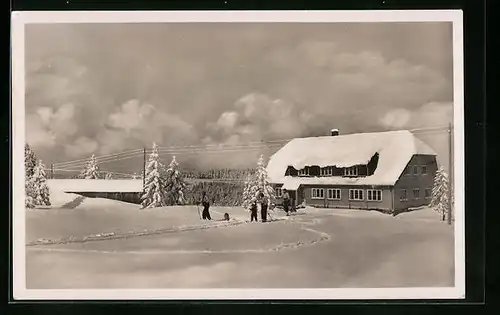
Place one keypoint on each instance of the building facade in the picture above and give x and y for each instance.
(387, 171)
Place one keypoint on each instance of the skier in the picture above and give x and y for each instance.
(286, 201)
(253, 211)
(206, 206)
(263, 207)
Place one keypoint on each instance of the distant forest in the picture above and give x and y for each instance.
(231, 174)
(219, 173)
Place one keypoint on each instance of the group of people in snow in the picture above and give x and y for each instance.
(261, 200)
(264, 204)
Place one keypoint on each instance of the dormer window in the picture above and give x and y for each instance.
(327, 171)
(304, 172)
(351, 171)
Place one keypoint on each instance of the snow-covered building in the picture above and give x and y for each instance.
(387, 171)
(128, 190)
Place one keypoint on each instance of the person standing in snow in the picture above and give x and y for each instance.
(253, 211)
(263, 207)
(206, 207)
(286, 201)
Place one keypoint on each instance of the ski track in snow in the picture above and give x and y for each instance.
(292, 245)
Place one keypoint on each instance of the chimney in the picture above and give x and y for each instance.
(334, 132)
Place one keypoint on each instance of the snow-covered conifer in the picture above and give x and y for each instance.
(250, 191)
(153, 187)
(91, 170)
(41, 193)
(29, 193)
(30, 161)
(246, 193)
(174, 184)
(262, 181)
(441, 193)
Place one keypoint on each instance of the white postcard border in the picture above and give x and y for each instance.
(19, 19)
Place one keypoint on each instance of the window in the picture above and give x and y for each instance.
(279, 193)
(428, 193)
(424, 169)
(304, 172)
(327, 171)
(374, 195)
(333, 194)
(416, 193)
(351, 171)
(403, 196)
(415, 170)
(355, 194)
(318, 193)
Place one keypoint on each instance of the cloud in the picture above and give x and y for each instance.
(83, 146)
(397, 118)
(135, 124)
(328, 80)
(258, 117)
(46, 127)
(430, 115)
(37, 134)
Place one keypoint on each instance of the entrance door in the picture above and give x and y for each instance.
(300, 196)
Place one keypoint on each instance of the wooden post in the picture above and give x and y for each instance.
(144, 169)
(450, 171)
(52, 171)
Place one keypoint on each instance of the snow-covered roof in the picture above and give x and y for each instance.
(95, 185)
(395, 149)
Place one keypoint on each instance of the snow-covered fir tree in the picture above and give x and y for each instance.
(91, 170)
(41, 193)
(154, 185)
(441, 193)
(245, 202)
(30, 161)
(250, 191)
(174, 184)
(262, 182)
(29, 193)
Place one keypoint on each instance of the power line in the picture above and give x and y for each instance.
(97, 157)
(81, 164)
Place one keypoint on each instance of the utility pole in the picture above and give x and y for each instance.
(450, 171)
(144, 170)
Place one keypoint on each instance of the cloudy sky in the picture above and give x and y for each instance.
(105, 88)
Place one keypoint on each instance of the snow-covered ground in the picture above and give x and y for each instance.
(316, 248)
(59, 198)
